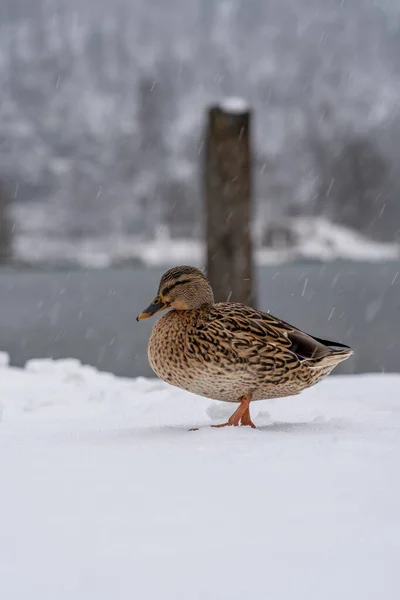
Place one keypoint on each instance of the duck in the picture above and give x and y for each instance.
(228, 351)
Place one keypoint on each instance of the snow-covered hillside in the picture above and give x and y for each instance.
(104, 106)
(105, 493)
(313, 239)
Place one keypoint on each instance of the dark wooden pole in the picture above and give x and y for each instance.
(228, 192)
(5, 228)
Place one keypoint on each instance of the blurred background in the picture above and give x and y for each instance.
(102, 123)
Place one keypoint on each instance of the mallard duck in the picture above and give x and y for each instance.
(228, 351)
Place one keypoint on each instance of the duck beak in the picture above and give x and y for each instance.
(156, 306)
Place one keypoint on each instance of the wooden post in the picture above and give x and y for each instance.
(228, 203)
(5, 228)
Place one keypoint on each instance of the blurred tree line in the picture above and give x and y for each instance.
(101, 121)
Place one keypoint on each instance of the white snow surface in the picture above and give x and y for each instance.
(234, 105)
(105, 493)
(317, 239)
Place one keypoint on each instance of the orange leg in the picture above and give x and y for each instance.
(241, 414)
(246, 420)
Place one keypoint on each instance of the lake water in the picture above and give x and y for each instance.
(90, 315)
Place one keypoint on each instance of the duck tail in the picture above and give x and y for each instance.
(333, 358)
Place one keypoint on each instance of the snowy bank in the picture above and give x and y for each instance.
(315, 239)
(106, 494)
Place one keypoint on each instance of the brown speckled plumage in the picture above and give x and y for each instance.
(229, 351)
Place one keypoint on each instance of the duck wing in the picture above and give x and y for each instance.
(256, 332)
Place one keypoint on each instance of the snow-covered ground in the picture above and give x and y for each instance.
(105, 493)
(315, 239)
